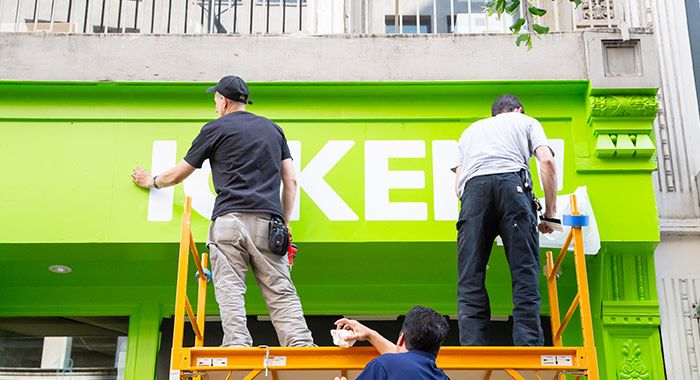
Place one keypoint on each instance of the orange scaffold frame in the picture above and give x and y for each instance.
(483, 363)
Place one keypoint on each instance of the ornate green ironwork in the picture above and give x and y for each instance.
(621, 106)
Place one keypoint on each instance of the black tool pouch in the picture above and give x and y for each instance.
(527, 184)
(525, 179)
(278, 240)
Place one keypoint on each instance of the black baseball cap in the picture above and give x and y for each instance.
(232, 87)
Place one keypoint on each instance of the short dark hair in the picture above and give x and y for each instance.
(506, 103)
(424, 329)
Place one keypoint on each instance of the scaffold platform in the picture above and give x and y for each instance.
(296, 363)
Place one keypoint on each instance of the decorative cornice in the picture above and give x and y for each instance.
(621, 106)
(636, 313)
(621, 138)
(624, 145)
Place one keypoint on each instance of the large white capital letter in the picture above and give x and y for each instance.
(160, 202)
(444, 154)
(197, 186)
(311, 180)
(379, 179)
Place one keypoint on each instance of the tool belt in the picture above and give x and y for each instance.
(527, 185)
(278, 240)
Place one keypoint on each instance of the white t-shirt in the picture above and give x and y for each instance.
(500, 144)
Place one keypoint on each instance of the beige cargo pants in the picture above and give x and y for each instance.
(236, 242)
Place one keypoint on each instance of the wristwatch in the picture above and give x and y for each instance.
(155, 184)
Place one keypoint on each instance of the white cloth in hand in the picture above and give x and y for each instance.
(339, 337)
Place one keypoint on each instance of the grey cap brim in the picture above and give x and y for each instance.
(212, 88)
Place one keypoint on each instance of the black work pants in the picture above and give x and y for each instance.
(493, 205)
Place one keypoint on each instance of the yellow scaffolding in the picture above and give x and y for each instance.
(482, 363)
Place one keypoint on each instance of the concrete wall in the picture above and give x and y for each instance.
(109, 57)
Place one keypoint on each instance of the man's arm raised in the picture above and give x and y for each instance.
(548, 176)
(289, 189)
(458, 173)
(170, 177)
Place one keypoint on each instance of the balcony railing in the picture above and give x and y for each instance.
(303, 16)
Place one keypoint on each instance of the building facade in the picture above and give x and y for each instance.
(92, 88)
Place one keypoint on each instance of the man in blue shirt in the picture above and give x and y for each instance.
(413, 355)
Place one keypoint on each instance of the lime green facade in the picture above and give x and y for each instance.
(67, 150)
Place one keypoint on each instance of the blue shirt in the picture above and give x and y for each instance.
(412, 365)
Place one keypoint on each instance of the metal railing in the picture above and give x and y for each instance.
(303, 16)
(153, 16)
(468, 16)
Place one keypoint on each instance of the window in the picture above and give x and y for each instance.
(32, 347)
(477, 6)
(480, 23)
(280, 2)
(224, 3)
(407, 24)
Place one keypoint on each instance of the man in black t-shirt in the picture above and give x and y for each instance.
(249, 157)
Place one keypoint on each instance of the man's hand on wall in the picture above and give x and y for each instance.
(142, 177)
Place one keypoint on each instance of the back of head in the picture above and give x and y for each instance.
(424, 329)
(506, 103)
(233, 88)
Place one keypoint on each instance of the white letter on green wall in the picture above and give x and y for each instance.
(197, 187)
(311, 179)
(379, 180)
(160, 202)
(444, 156)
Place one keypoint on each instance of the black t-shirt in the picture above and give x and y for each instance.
(245, 152)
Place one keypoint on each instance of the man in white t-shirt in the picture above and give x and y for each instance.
(495, 188)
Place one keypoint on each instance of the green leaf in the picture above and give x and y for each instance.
(517, 25)
(490, 7)
(529, 43)
(576, 2)
(500, 6)
(539, 29)
(513, 7)
(522, 38)
(537, 11)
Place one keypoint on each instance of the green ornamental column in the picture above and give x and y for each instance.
(144, 338)
(620, 141)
